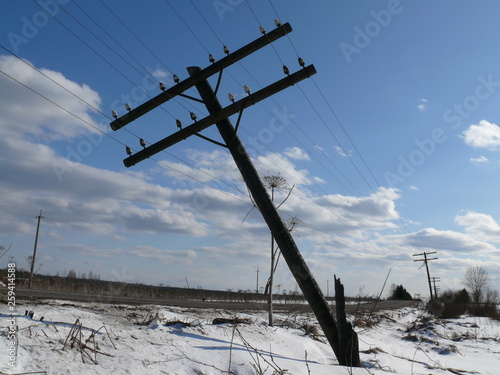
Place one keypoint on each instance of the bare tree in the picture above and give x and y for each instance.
(4, 250)
(492, 297)
(477, 280)
(29, 260)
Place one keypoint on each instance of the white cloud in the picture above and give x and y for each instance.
(479, 160)
(277, 164)
(431, 239)
(87, 199)
(26, 113)
(423, 105)
(296, 153)
(205, 166)
(414, 188)
(345, 215)
(111, 219)
(160, 73)
(481, 226)
(343, 152)
(483, 135)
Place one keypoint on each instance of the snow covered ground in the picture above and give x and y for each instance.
(161, 340)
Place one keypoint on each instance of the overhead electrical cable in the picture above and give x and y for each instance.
(316, 111)
(201, 43)
(139, 40)
(260, 104)
(102, 113)
(147, 74)
(61, 107)
(110, 136)
(264, 32)
(101, 56)
(400, 222)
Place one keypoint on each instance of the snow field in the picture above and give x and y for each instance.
(170, 340)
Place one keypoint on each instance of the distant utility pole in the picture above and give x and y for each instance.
(257, 287)
(220, 117)
(434, 281)
(426, 262)
(33, 260)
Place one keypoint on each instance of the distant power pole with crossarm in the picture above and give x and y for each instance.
(218, 115)
(426, 262)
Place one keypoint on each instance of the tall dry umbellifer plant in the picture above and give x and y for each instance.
(274, 183)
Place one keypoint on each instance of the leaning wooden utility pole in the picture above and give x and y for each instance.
(426, 262)
(219, 116)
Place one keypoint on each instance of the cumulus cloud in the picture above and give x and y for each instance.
(87, 199)
(481, 226)
(296, 153)
(26, 113)
(204, 166)
(483, 135)
(431, 239)
(346, 215)
(279, 164)
(89, 209)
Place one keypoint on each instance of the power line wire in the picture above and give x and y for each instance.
(201, 43)
(99, 111)
(317, 112)
(403, 227)
(250, 74)
(188, 27)
(260, 25)
(61, 107)
(204, 19)
(110, 36)
(134, 34)
(124, 24)
(146, 76)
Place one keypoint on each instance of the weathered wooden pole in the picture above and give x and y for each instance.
(282, 236)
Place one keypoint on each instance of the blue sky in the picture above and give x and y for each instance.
(401, 157)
